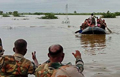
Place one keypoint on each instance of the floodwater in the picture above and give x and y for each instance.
(97, 50)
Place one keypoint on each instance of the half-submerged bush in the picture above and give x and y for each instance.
(49, 16)
(108, 15)
(5, 15)
(117, 13)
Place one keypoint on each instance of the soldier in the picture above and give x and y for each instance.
(93, 19)
(16, 65)
(54, 68)
(1, 48)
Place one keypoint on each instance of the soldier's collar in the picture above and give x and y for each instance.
(18, 55)
(56, 65)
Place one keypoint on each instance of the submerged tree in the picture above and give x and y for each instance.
(108, 15)
(75, 12)
(10, 13)
(1, 12)
(5, 15)
(16, 14)
(49, 16)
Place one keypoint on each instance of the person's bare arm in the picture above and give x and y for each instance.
(34, 58)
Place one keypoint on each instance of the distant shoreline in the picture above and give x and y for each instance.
(108, 14)
(42, 13)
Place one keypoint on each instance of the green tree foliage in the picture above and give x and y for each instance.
(16, 14)
(49, 16)
(117, 13)
(10, 13)
(6, 15)
(1, 12)
(36, 13)
(75, 12)
(108, 15)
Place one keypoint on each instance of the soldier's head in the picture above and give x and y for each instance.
(20, 46)
(56, 53)
(1, 48)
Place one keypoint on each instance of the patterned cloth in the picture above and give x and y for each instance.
(60, 70)
(15, 66)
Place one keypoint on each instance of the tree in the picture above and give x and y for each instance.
(15, 14)
(49, 16)
(10, 13)
(5, 15)
(109, 15)
(75, 12)
(1, 12)
(108, 12)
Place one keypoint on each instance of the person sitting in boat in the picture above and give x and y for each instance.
(85, 24)
(103, 24)
(89, 22)
(92, 25)
(55, 68)
(98, 23)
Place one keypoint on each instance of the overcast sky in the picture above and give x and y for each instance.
(59, 5)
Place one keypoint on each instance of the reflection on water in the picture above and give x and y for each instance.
(93, 43)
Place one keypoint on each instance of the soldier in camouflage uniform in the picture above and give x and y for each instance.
(1, 48)
(16, 65)
(93, 19)
(54, 67)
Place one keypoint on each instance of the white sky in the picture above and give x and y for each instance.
(59, 5)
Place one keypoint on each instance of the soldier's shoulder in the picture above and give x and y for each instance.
(7, 56)
(42, 65)
(68, 70)
(27, 60)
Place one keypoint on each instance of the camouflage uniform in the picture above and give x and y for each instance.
(60, 70)
(15, 66)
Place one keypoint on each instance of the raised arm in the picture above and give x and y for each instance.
(34, 58)
(79, 62)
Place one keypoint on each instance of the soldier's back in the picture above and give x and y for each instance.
(10, 67)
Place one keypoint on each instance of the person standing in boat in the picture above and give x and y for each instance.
(92, 18)
(54, 68)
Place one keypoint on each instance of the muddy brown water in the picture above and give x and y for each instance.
(40, 34)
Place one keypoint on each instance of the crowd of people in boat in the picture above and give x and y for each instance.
(91, 22)
(18, 66)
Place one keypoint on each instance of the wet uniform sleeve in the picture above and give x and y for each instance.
(31, 69)
(80, 65)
